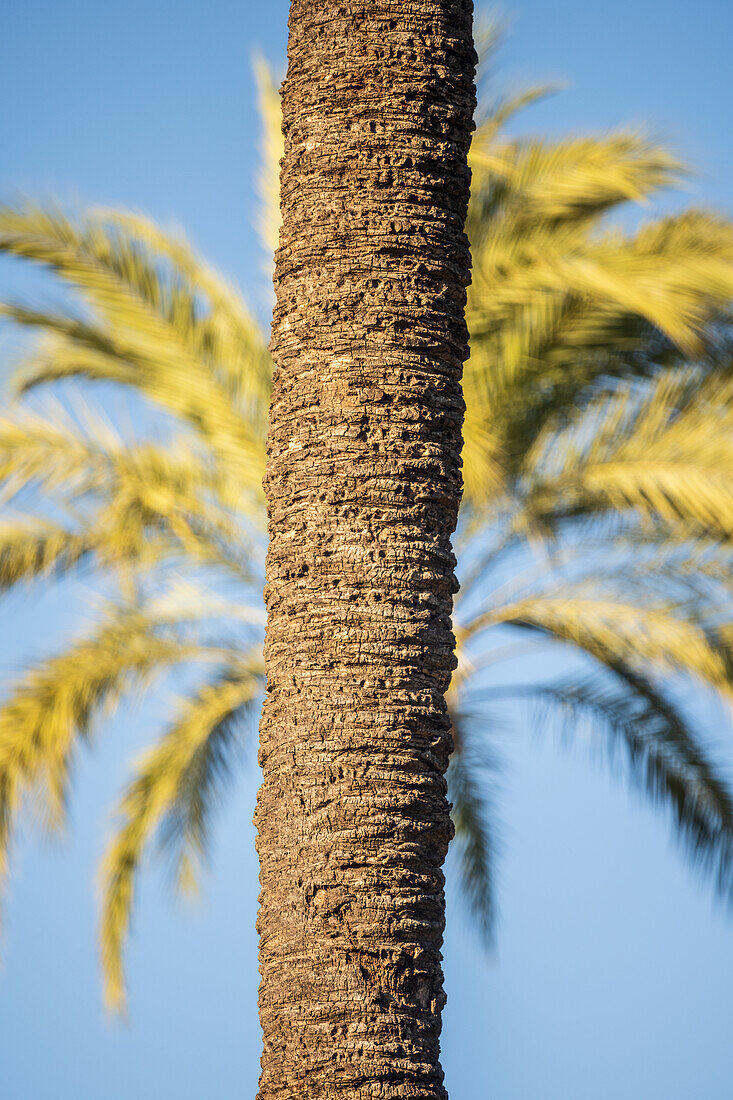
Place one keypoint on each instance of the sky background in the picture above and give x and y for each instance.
(613, 971)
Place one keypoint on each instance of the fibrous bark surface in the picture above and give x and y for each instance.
(363, 486)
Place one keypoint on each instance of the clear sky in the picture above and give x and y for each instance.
(613, 972)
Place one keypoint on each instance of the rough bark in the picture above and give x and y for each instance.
(363, 485)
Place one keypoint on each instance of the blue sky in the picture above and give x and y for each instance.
(613, 972)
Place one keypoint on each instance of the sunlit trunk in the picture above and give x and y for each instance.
(363, 485)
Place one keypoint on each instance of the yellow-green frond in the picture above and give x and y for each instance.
(140, 500)
(234, 339)
(173, 778)
(665, 452)
(53, 705)
(34, 548)
(148, 330)
(660, 637)
(577, 178)
(675, 275)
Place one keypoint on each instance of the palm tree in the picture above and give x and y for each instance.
(596, 521)
(363, 485)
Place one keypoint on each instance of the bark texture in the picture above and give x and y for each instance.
(363, 486)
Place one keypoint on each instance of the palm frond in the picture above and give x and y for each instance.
(52, 708)
(663, 755)
(665, 452)
(231, 338)
(661, 636)
(475, 838)
(32, 548)
(570, 180)
(147, 332)
(175, 785)
(557, 307)
(674, 274)
(133, 503)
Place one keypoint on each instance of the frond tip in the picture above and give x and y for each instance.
(174, 786)
(475, 833)
(663, 756)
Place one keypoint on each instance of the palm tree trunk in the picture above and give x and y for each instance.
(363, 485)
